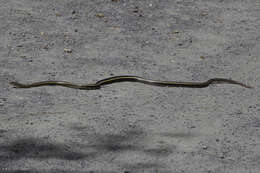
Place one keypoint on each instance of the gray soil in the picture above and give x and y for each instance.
(129, 127)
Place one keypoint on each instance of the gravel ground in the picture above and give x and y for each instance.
(129, 127)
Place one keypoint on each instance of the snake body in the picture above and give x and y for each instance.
(115, 79)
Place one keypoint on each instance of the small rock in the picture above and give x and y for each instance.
(100, 15)
(58, 14)
(204, 147)
(68, 50)
(203, 13)
(176, 32)
(136, 10)
(46, 46)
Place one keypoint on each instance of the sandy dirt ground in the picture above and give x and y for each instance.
(129, 127)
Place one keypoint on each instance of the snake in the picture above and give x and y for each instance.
(128, 78)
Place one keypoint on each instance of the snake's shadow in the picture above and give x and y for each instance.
(36, 148)
(96, 146)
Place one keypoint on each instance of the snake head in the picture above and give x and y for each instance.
(16, 85)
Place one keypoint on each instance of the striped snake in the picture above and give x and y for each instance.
(110, 80)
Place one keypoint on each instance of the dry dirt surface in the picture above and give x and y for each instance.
(129, 127)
